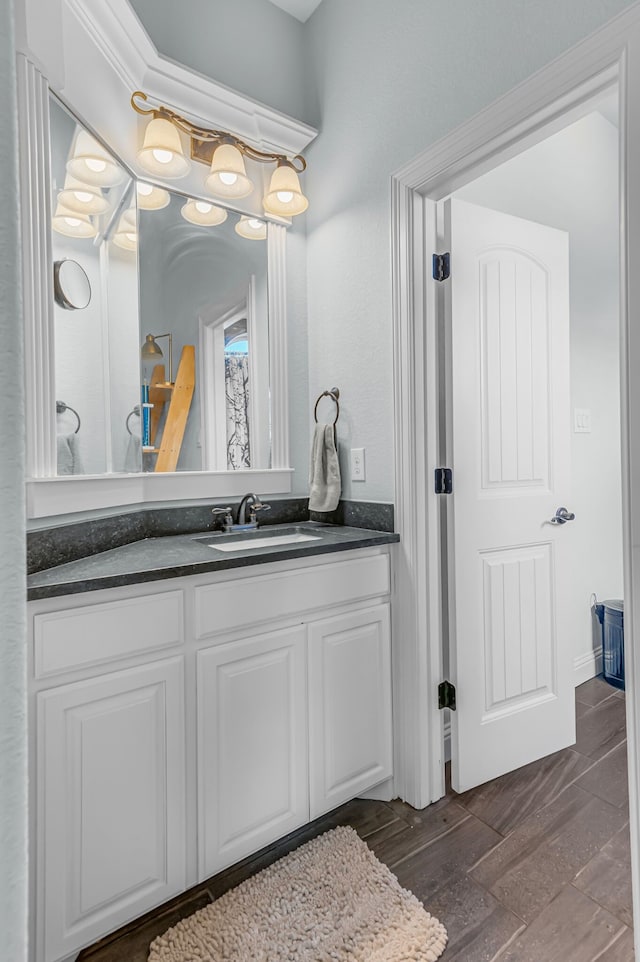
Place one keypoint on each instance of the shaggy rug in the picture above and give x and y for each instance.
(331, 900)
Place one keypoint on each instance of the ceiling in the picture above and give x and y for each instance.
(300, 9)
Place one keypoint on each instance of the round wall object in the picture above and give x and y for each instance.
(71, 285)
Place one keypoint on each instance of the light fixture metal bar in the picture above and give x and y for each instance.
(204, 140)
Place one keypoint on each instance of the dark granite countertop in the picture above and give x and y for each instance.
(154, 559)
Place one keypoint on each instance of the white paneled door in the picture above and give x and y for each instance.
(508, 316)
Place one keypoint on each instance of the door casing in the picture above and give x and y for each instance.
(551, 99)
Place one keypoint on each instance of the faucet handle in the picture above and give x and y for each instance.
(260, 506)
(228, 516)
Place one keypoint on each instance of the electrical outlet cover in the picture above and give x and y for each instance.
(357, 464)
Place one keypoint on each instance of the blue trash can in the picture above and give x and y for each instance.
(611, 616)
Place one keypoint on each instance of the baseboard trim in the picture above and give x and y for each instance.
(587, 666)
(383, 792)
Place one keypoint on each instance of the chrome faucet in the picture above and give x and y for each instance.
(255, 504)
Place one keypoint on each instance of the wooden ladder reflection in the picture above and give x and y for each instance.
(180, 394)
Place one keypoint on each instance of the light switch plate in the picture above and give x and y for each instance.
(581, 421)
(357, 464)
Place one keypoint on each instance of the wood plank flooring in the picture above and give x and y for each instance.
(532, 867)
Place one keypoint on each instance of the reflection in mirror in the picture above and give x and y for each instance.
(204, 334)
(96, 349)
(71, 286)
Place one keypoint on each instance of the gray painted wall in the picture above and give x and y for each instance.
(13, 648)
(249, 45)
(382, 82)
(389, 80)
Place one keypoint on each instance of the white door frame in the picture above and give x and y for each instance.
(532, 111)
(213, 403)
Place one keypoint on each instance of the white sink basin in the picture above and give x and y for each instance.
(252, 544)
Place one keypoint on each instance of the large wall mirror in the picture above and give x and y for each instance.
(96, 365)
(168, 366)
(156, 267)
(204, 304)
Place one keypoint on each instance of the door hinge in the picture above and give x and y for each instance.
(444, 481)
(441, 266)
(447, 695)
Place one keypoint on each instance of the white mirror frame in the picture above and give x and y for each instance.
(117, 29)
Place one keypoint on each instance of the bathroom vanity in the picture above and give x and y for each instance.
(182, 724)
(187, 706)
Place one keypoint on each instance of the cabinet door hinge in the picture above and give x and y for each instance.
(441, 266)
(447, 695)
(444, 481)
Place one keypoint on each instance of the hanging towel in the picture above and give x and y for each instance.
(133, 457)
(324, 476)
(69, 461)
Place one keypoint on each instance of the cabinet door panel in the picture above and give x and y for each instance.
(252, 734)
(350, 747)
(111, 794)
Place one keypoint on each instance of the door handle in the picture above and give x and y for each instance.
(562, 516)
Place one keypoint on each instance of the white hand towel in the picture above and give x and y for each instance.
(69, 461)
(133, 457)
(324, 476)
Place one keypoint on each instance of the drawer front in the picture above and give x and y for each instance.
(79, 637)
(234, 604)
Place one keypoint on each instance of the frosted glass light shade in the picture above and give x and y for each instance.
(81, 197)
(161, 152)
(72, 224)
(203, 213)
(285, 196)
(127, 239)
(228, 177)
(129, 218)
(150, 197)
(126, 235)
(251, 228)
(92, 164)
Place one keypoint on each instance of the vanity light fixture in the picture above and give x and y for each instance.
(162, 155)
(81, 197)
(126, 239)
(151, 351)
(252, 228)
(92, 164)
(285, 196)
(126, 234)
(150, 197)
(72, 224)
(203, 213)
(228, 177)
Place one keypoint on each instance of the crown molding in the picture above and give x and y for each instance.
(115, 31)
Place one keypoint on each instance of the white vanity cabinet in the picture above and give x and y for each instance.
(349, 706)
(253, 782)
(107, 762)
(111, 801)
(183, 725)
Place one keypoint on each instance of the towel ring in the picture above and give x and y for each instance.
(61, 407)
(135, 411)
(334, 394)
